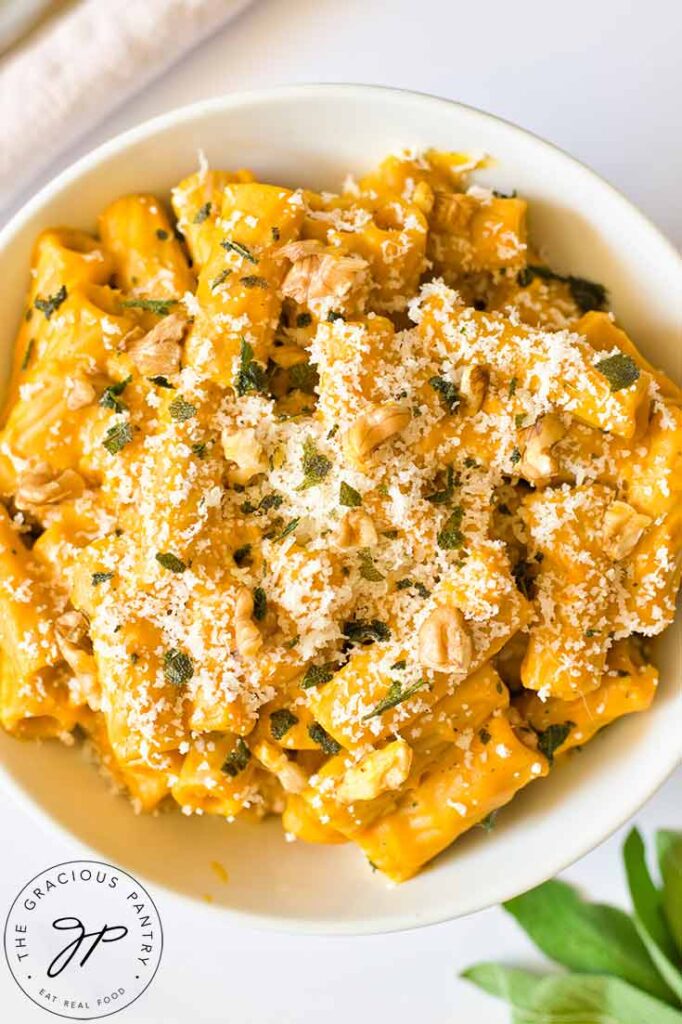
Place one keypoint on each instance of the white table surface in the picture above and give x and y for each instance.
(602, 79)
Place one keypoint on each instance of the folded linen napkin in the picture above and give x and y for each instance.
(82, 65)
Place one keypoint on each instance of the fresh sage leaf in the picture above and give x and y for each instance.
(649, 915)
(590, 937)
(570, 998)
(669, 850)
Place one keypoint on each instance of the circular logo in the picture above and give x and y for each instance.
(83, 939)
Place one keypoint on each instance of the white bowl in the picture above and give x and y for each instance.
(313, 135)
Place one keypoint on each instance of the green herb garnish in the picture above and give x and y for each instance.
(170, 561)
(240, 249)
(177, 666)
(447, 391)
(333, 316)
(620, 370)
(513, 384)
(366, 631)
(304, 320)
(281, 721)
(515, 456)
(242, 556)
(289, 528)
(488, 823)
(275, 232)
(110, 397)
(260, 604)
(251, 375)
(399, 666)
(237, 760)
(253, 281)
(202, 213)
(101, 577)
(161, 382)
(320, 736)
(304, 377)
(394, 695)
(368, 569)
(552, 738)
(315, 466)
(180, 409)
(27, 354)
(117, 437)
(450, 535)
(348, 496)
(316, 675)
(586, 294)
(52, 303)
(161, 307)
(220, 278)
(444, 496)
(161, 234)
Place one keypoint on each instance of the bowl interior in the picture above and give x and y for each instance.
(312, 136)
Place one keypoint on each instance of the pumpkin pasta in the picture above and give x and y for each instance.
(342, 507)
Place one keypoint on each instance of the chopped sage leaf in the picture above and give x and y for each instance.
(304, 320)
(315, 466)
(552, 738)
(289, 528)
(348, 496)
(170, 561)
(450, 535)
(316, 675)
(101, 577)
(110, 397)
(366, 631)
(260, 604)
(488, 823)
(242, 555)
(253, 281)
(275, 232)
(202, 213)
(52, 303)
(333, 316)
(237, 760)
(320, 736)
(399, 666)
(515, 456)
(161, 234)
(161, 307)
(513, 384)
(177, 666)
(161, 382)
(251, 375)
(281, 721)
(199, 449)
(620, 370)
(181, 410)
(447, 391)
(221, 278)
(117, 437)
(368, 569)
(394, 695)
(240, 249)
(304, 377)
(28, 353)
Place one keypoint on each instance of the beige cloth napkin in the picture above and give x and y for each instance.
(82, 65)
